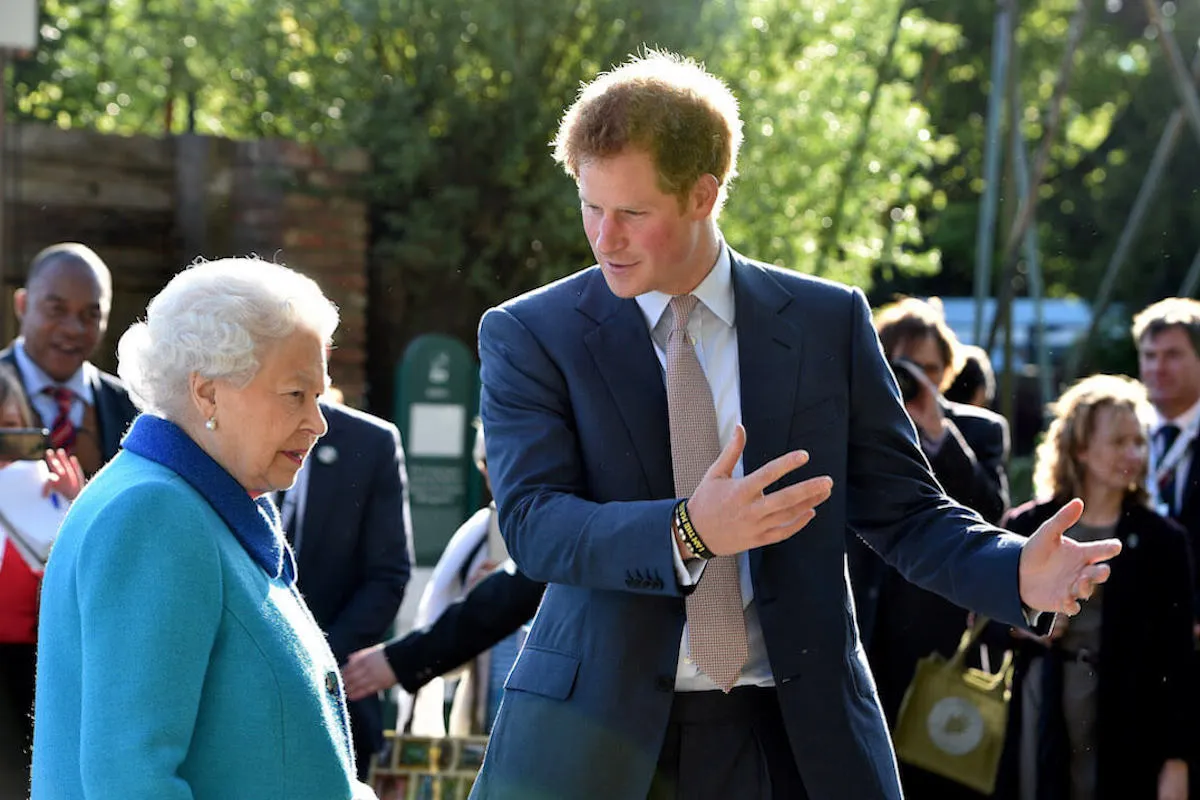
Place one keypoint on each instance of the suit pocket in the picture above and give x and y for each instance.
(817, 416)
(545, 672)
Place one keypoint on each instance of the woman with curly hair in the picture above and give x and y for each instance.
(1100, 704)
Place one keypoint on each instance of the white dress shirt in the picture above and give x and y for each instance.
(35, 381)
(713, 332)
(1188, 423)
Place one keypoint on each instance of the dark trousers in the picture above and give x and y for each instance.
(721, 746)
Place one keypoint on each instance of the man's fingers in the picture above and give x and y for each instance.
(1095, 552)
(776, 507)
(1065, 518)
(775, 469)
(723, 466)
(790, 527)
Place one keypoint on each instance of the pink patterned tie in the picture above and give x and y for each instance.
(716, 627)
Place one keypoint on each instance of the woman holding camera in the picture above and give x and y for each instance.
(967, 448)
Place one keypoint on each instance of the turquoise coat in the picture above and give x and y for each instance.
(177, 659)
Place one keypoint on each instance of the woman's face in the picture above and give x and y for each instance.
(1115, 456)
(266, 429)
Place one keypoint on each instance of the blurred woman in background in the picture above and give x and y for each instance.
(1100, 705)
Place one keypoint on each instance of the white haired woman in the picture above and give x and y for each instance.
(177, 659)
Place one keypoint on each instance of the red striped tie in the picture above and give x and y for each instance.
(62, 434)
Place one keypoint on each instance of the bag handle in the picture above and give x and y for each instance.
(969, 638)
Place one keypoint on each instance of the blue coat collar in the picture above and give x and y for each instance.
(255, 523)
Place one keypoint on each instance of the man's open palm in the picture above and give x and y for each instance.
(1057, 572)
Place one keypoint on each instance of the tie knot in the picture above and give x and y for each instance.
(1168, 433)
(61, 394)
(682, 306)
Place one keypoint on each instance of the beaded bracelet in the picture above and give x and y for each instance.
(687, 532)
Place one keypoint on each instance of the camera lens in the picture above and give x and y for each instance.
(909, 387)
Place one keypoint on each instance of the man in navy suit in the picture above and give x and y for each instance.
(621, 690)
(347, 518)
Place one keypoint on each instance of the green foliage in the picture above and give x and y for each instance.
(804, 73)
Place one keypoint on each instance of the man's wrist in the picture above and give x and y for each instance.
(692, 546)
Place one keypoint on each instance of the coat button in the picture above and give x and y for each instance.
(664, 683)
(331, 682)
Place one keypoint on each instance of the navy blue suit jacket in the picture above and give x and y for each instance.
(354, 560)
(575, 409)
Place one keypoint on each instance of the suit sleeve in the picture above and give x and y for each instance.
(970, 466)
(496, 607)
(150, 596)
(896, 507)
(384, 554)
(553, 532)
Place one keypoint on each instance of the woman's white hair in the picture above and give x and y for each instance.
(214, 318)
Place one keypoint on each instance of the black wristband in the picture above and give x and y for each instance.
(687, 532)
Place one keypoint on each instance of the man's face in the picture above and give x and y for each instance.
(643, 238)
(63, 316)
(1170, 369)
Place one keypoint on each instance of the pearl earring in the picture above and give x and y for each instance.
(211, 424)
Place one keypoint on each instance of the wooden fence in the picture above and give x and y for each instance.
(149, 206)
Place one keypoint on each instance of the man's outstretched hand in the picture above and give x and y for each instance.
(1057, 572)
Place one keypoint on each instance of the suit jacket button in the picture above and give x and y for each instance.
(664, 683)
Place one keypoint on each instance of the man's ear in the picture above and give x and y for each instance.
(20, 302)
(703, 197)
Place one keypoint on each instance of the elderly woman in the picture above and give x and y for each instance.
(1100, 705)
(177, 659)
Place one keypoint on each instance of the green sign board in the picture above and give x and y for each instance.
(437, 398)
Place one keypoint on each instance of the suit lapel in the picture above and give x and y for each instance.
(109, 428)
(769, 349)
(320, 500)
(624, 354)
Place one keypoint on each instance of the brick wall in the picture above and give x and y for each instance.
(149, 206)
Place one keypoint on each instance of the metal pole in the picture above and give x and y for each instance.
(1193, 278)
(1179, 73)
(985, 236)
(1032, 256)
(1133, 226)
(1028, 203)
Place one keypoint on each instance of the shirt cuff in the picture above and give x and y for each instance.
(686, 572)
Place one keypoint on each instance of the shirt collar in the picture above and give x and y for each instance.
(715, 292)
(1185, 421)
(36, 380)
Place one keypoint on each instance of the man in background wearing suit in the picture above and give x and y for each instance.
(348, 521)
(63, 310)
(63, 313)
(1167, 335)
(690, 642)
